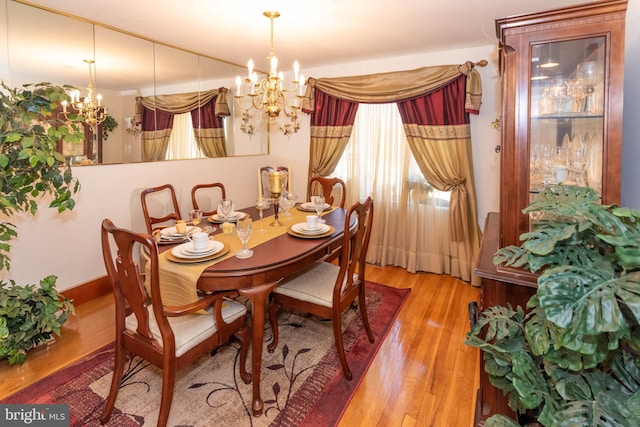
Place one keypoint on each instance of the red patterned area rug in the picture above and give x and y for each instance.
(302, 381)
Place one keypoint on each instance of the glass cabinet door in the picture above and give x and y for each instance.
(567, 106)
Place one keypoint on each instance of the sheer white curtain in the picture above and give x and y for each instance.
(182, 143)
(411, 218)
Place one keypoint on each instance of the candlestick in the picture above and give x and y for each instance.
(276, 184)
(289, 180)
(259, 185)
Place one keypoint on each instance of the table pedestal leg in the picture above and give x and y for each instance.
(258, 296)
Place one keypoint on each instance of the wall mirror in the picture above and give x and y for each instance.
(44, 46)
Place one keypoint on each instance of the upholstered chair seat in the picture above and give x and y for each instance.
(191, 329)
(315, 285)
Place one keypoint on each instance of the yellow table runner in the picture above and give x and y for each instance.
(178, 280)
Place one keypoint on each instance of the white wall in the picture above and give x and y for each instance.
(68, 245)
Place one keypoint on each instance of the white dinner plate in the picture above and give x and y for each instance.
(302, 229)
(232, 217)
(172, 232)
(308, 207)
(186, 250)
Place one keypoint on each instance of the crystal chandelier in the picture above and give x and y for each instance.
(270, 94)
(90, 108)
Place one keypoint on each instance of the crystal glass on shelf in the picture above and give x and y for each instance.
(558, 95)
(225, 208)
(318, 204)
(578, 91)
(578, 163)
(591, 73)
(243, 231)
(262, 205)
(195, 216)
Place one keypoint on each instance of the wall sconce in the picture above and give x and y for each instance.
(132, 128)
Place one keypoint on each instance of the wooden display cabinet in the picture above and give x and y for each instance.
(561, 122)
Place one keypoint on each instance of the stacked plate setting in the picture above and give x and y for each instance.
(186, 250)
(302, 228)
(233, 217)
(308, 207)
(171, 235)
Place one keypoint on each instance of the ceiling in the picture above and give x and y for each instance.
(318, 33)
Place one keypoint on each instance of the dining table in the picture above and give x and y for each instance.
(278, 253)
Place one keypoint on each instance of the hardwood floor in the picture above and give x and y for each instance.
(423, 374)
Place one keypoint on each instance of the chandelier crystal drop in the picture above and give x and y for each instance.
(90, 108)
(271, 94)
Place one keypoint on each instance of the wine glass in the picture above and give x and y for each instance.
(578, 163)
(285, 204)
(243, 230)
(225, 208)
(195, 216)
(262, 205)
(591, 73)
(318, 204)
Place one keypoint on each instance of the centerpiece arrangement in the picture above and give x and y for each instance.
(278, 182)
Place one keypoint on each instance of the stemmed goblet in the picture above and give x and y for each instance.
(262, 205)
(243, 230)
(225, 208)
(578, 163)
(285, 205)
(318, 204)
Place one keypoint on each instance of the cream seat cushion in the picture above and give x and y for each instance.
(314, 285)
(191, 329)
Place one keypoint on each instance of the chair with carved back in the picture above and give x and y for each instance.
(321, 186)
(328, 290)
(163, 195)
(170, 337)
(207, 193)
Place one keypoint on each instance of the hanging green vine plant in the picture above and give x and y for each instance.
(30, 169)
(108, 126)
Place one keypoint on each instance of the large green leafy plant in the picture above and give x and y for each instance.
(30, 169)
(573, 357)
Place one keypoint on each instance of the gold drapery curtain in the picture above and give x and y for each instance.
(184, 102)
(329, 141)
(446, 162)
(396, 86)
(210, 140)
(155, 144)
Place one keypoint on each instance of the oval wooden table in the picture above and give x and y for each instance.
(255, 278)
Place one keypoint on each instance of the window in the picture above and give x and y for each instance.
(411, 218)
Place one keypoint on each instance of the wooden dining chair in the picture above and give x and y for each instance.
(326, 289)
(167, 194)
(170, 337)
(319, 185)
(210, 190)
